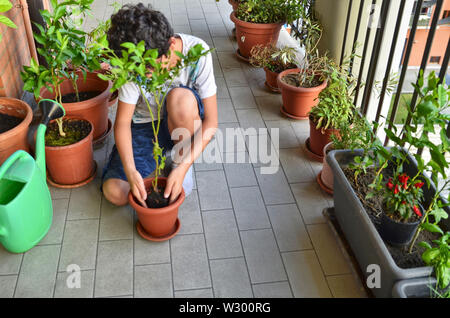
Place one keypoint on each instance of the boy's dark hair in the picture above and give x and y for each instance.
(134, 23)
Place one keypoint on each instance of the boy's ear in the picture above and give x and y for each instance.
(172, 42)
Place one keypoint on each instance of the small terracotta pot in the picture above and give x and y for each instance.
(319, 138)
(326, 175)
(271, 80)
(250, 34)
(298, 101)
(94, 110)
(71, 165)
(15, 138)
(234, 3)
(157, 222)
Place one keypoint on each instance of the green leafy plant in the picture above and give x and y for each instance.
(270, 11)
(5, 6)
(143, 67)
(273, 58)
(438, 256)
(63, 48)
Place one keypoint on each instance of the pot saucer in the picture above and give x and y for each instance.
(241, 57)
(272, 89)
(312, 155)
(149, 237)
(322, 185)
(284, 112)
(97, 143)
(76, 185)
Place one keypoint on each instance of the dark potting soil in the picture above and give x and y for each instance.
(374, 208)
(72, 97)
(156, 200)
(75, 130)
(8, 122)
(294, 80)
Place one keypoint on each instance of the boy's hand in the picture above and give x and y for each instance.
(137, 187)
(175, 182)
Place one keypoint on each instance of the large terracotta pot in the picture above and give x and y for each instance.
(298, 101)
(250, 34)
(95, 110)
(15, 138)
(318, 138)
(326, 175)
(271, 80)
(157, 224)
(72, 165)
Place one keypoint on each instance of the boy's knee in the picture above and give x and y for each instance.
(181, 104)
(115, 193)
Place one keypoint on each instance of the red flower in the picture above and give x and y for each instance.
(390, 185)
(419, 185)
(417, 211)
(404, 180)
(396, 190)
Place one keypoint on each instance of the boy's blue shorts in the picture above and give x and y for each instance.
(142, 141)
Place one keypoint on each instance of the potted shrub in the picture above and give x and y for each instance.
(392, 183)
(15, 115)
(260, 22)
(68, 76)
(300, 88)
(159, 219)
(274, 61)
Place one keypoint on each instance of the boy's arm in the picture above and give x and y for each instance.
(207, 131)
(122, 135)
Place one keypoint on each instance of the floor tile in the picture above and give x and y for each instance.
(230, 278)
(346, 286)
(213, 190)
(228, 60)
(190, 262)
(86, 289)
(114, 276)
(262, 256)
(116, 223)
(38, 272)
(274, 187)
(10, 262)
(305, 275)
(230, 139)
(235, 77)
(249, 208)
(147, 252)
(223, 44)
(8, 284)
(240, 175)
(226, 111)
(327, 248)
(296, 166)
(80, 244)
(210, 158)
(222, 235)
(310, 201)
(194, 293)
(288, 227)
(269, 107)
(85, 202)
(250, 120)
(272, 290)
(287, 137)
(242, 97)
(153, 281)
(189, 215)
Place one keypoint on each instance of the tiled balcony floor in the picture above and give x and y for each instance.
(243, 234)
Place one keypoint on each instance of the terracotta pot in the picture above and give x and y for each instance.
(159, 222)
(319, 138)
(94, 110)
(71, 165)
(298, 101)
(271, 80)
(326, 175)
(234, 3)
(250, 34)
(15, 138)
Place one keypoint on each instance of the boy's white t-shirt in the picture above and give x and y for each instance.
(199, 77)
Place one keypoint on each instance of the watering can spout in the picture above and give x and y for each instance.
(50, 110)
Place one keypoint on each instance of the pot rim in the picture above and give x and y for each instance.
(287, 86)
(140, 209)
(78, 143)
(25, 121)
(80, 105)
(252, 25)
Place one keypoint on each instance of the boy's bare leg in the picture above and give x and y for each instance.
(182, 112)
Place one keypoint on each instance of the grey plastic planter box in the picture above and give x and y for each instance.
(360, 232)
(414, 288)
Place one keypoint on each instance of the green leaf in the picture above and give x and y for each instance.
(425, 108)
(6, 21)
(425, 245)
(433, 228)
(5, 5)
(429, 255)
(128, 45)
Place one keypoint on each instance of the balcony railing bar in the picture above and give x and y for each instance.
(374, 57)
(358, 25)
(426, 54)
(390, 60)
(346, 31)
(404, 67)
(363, 59)
(445, 62)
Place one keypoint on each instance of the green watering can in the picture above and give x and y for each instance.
(25, 203)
